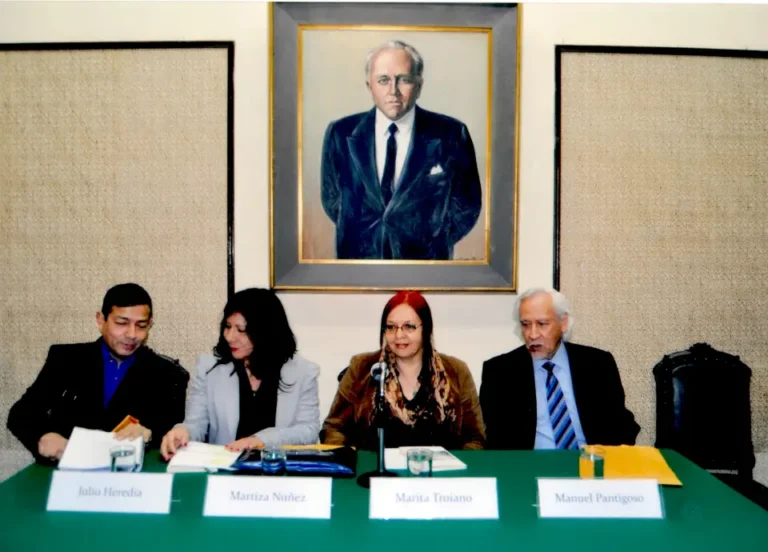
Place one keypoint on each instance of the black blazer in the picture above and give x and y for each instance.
(436, 203)
(508, 399)
(69, 392)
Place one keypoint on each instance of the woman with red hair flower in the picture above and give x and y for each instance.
(431, 398)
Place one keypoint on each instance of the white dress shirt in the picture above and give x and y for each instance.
(402, 137)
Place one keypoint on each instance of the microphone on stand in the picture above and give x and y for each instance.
(379, 372)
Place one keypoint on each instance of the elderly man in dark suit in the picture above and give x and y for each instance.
(398, 181)
(550, 393)
(98, 385)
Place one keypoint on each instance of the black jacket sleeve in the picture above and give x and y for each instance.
(167, 409)
(29, 419)
(621, 427)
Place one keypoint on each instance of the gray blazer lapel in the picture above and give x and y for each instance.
(223, 405)
(229, 397)
(297, 418)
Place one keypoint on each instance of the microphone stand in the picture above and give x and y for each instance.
(380, 420)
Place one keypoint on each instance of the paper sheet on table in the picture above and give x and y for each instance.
(442, 460)
(88, 449)
(200, 457)
(625, 462)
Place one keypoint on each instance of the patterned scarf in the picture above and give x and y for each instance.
(441, 403)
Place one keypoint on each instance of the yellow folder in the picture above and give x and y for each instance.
(625, 462)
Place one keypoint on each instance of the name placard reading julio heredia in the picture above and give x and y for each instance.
(132, 493)
(274, 497)
(434, 498)
(600, 498)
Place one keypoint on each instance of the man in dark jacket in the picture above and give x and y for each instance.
(550, 393)
(97, 385)
(398, 181)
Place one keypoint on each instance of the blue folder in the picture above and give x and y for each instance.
(338, 462)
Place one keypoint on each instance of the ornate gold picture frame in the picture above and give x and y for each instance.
(450, 224)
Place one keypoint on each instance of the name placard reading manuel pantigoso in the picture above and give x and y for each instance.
(132, 493)
(274, 497)
(434, 498)
(600, 498)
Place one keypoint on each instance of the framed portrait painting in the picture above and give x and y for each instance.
(393, 146)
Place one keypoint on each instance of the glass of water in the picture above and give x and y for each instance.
(273, 461)
(591, 462)
(420, 462)
(123, 458)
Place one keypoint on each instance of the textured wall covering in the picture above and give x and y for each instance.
(113, 168)
(664, 200)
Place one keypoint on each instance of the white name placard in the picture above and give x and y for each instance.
(133, 493)
(599, 498)
(274, 497)
(434, 498)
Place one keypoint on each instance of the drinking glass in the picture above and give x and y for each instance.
(591, 462)
(123, 458)
(273, 461)
(420, 462)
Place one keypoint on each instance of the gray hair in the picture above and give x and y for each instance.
(417, 62)
(559, 302)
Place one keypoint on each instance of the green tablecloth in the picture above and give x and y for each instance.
(702, 515)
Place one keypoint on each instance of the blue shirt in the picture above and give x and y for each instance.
(545, 436)
(114, 371)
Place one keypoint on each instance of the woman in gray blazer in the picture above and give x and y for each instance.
(254, 390)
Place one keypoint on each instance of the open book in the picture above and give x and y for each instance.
(201, 457)
(442, 460)
(88, 449)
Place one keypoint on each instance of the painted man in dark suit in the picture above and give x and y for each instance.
(398, 181)
(97, 385)
(550, 393)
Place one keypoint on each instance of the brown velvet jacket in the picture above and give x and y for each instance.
(348, 420)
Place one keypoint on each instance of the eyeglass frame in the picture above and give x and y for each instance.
(392, 328)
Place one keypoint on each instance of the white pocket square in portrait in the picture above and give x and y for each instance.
(437, 169)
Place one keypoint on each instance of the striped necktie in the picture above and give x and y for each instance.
(562, 427)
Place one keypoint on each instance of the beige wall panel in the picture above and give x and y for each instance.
(664, 203)
(113, 166)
